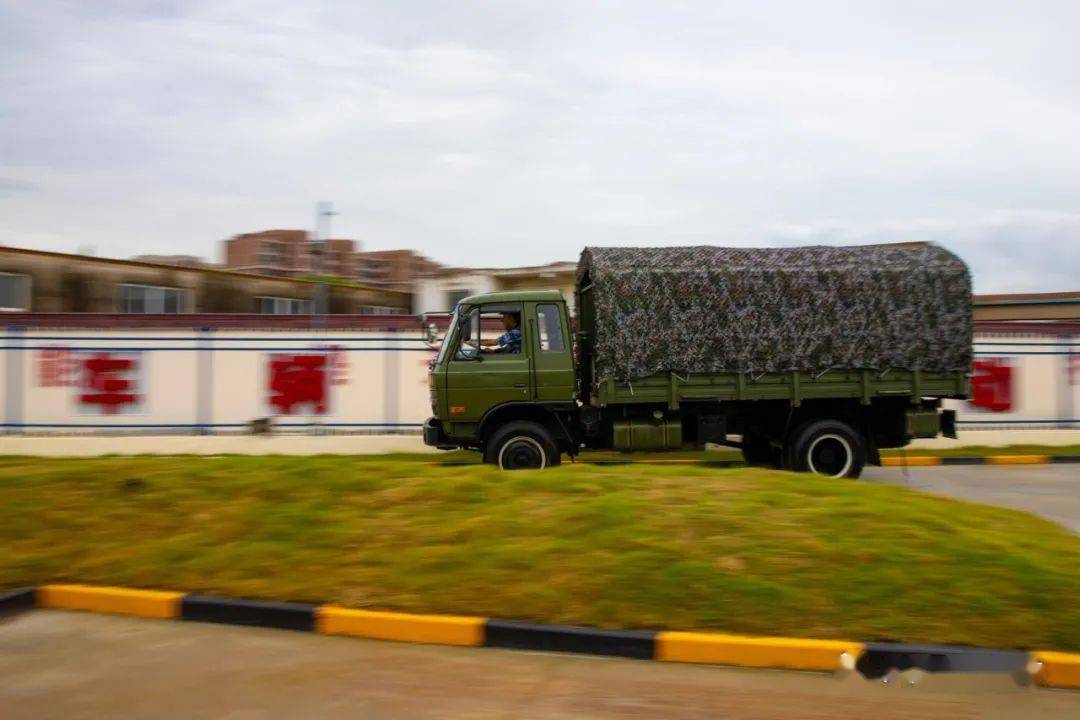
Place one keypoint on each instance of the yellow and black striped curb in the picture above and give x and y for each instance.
(924, 460)
(872, 660)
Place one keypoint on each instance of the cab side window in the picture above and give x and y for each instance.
(493, 330)
(549, 323)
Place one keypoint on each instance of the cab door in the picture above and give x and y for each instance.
(551, 351)
(478, 380)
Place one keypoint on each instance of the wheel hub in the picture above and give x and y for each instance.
(830, 455)
(521, 453)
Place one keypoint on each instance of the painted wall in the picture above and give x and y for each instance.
(156, 380)
(1023, 379)
(213, 381)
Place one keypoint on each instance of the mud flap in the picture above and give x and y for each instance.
(948, 423)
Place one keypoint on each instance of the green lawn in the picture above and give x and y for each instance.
(642, 546)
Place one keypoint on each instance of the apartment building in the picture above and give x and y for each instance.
(394, 269)
(292, 253)
(280, 253)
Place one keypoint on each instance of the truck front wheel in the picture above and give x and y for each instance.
(522, 445)
(827, 447)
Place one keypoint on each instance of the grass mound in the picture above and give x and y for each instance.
(642, 546)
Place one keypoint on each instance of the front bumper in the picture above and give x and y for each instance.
(434, 435)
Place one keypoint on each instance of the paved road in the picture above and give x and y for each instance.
(1051, 491)
(56, 664)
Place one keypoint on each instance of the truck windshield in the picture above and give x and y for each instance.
(446, 337)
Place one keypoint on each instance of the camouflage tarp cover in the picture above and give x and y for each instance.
(714, 309)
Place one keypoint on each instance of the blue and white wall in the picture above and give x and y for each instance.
(212, 381)
(217, 381)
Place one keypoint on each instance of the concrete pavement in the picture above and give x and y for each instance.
(1050, 491)
(58, 664)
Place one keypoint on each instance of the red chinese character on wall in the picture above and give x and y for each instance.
(338, 361)
(108, 382)
(298, 380)
(57, 367)
(991, 385)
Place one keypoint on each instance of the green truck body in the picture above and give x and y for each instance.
(526, 409)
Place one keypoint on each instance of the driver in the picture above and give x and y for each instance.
(510, 341)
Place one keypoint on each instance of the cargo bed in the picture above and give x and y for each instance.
(673, 389)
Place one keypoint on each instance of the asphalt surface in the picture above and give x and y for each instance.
(57, 664)
(1050, 491)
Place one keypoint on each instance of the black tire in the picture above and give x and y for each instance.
(827, 447)
(757, 450)
(522, 445)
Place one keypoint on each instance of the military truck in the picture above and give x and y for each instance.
(810, 359)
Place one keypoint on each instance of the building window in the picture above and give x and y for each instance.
(453, 297)
(382, 310)
(150, 299)
(282, 306)
(14, 292)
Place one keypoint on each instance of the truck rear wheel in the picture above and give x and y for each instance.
(522, 445)
(827, 447)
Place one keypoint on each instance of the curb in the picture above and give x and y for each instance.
(926, 460)
(872, 660)
(403, 627)
(763, 652)
(254, 613)
(880, 658)
(121, 601)
(561, 638)
(17, 600)
(1055, 669)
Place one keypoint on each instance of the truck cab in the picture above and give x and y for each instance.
(515, 406)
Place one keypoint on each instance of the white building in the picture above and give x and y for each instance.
(441, 291)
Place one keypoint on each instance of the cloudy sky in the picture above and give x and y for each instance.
(508, 133)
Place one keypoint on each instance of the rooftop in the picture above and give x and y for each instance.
(1028, 298)
(138, 263)
(566, 266)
